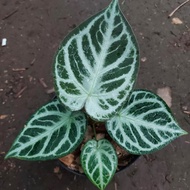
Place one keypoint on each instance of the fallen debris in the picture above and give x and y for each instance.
(115, 186)
(143, 59)
(67, 160)
(32, 62)
(123, 2)
(176, 21)
(10, 14)
(4, 42)
(186, 112)
(58, 173)
(181, 5)
(100, 136)
(31, 78)
(19, 69)
(81, 170)
(3, 117)
(41, 80)
(167, 178)
(50, 90)
(56, 170)
(165, 94)
(20, 92)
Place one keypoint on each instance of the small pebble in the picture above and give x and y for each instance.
(4, 42)
(143, 59)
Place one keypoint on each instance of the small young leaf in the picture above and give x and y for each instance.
(144, 125)
(96, 65)
(52, 132)
(99, 162)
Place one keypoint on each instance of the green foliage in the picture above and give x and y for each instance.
(95, 70)
(52, 132)
(97, 64)
(99, 161)
(144, 125)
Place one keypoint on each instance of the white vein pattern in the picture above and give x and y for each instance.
(144, 125)
(52, 132)
(97, 64)
(99, 161)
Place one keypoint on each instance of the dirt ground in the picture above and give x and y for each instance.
(34, 30)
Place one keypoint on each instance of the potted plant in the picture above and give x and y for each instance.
(95, 70)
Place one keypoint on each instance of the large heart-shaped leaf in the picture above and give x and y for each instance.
(52, 132)
(99, 162)
(144, 125)
(97, 64)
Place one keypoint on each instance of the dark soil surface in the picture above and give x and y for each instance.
(34, 30)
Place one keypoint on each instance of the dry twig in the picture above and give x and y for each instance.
(115, 185)
(19, 69)
(186, 112)
(10, 14)
(43, 83)
(50, 90)
(32, 62)
(20, 92)
(181, 5)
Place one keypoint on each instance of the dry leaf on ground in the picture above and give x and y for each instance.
(100, 136)
(176, 20)
(3, 116)
(165, 94)
(67, 160)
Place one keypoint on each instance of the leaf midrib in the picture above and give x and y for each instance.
(102, 55)
(34, 140)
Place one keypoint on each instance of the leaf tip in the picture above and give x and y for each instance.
(7, 156)
(184, 132)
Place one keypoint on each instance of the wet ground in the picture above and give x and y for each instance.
(34, 30)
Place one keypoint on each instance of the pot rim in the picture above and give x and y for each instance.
(120, 168)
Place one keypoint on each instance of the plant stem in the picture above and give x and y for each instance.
(94, 130)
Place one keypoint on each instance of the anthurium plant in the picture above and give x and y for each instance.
(95, 70)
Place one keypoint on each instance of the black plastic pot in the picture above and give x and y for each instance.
(132, 159)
